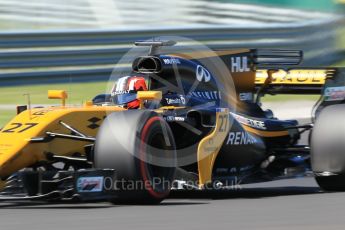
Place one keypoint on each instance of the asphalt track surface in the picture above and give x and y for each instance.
(284, 204)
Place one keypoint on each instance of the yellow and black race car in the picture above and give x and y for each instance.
(176, 121)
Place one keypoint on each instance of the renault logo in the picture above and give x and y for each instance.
(93, 123)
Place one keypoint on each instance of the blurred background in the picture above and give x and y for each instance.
(74, 44)
(65, 14)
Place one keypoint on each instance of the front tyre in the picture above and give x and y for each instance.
(140, 147)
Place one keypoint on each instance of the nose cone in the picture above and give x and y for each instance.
(12, 151)
(14, 140)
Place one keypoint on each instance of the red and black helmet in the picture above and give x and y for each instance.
(124, 93)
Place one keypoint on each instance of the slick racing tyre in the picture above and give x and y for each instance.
(139, 146)
(328, 148)
(331, 183)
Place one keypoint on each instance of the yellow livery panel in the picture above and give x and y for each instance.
(16, 152)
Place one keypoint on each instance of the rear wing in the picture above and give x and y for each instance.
(266, 57)
(244, 64)
(248, 69)
(295, 81)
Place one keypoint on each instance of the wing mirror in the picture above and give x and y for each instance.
(58, 94)
(148, 95)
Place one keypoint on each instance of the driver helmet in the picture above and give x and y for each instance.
(124, 93)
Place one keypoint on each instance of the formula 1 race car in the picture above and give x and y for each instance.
(177, 121)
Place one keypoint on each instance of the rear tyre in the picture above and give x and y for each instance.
(140, 146)
(328, 148)
(331, 183)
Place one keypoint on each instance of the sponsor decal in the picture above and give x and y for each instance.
(246, 96)
(202, 74)
(335, 93)
(315, 77)
(250, 122)
(211, 147)
(173, 118)
(239, 64)
(93, 123)
(120, 92)
(170, 61)
(209, 95)
(176, 100)
(90, 184)
(240, 138)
